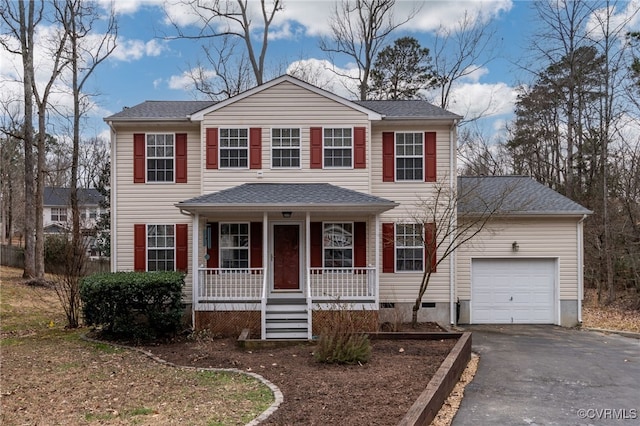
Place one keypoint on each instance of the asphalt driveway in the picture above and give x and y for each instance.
(548, 375)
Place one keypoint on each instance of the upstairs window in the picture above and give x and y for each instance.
(234, 148)
(234, 245)
(285, 148)
(160, 248)
(58, 214)
(409, 157)
(160, 158)
(338, 147)
(337, 245)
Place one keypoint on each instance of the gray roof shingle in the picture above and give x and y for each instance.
(160, 110)
(513, 195)
(62, 196)
(407, 109)
(289, 195)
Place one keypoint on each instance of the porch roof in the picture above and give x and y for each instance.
(288, 197)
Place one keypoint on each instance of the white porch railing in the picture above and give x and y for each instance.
(218, 284)
(342, 283)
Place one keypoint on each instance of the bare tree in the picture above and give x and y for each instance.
(459, 52)
(78, 18)
(359, 30)
(221, 19)
(449, 218)
(21, 19)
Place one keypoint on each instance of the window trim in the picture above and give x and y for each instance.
(148, 248)
(398, 156)
(247, 148)
(221, 247)
(397, 247)
(147, 157)
(60, 210)
(271, 147)
(352, 247)
(352, 148)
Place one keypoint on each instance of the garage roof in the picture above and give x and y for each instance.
(512, 195)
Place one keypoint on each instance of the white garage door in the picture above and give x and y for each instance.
(512, 291)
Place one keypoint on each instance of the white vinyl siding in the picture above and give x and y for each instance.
(536, 237)
(137, 204)
(286, 106)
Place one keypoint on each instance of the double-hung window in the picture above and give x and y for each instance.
(409, 247)
(160, 158)
(337, 245)
(409, 157)
(285, 148)
(234, 148)
(161, 248)
(234, 245)
(338, 147)
(58, 214)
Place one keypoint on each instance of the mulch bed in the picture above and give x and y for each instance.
(379, 392)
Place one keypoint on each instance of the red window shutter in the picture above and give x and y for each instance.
(140, 247)
(430, 157)
(255, 148)
(212, 251)
(139, 149)
(360, 147)
(316, 147)
(430, 259)
(360, 244)
(181, 158)
(255, 236)
(388, 156)
(182, 247)
(212, 148)
(316, 244)
(388, 247)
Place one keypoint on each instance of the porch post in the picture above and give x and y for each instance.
(195, 270)
(377, 231)
(307, 257)
(265, 275)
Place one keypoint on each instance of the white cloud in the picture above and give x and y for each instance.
(475, 73)
(184, 81)
(320, 72)
(472, 100)
(133, 50)
(435, 15)
(128, 7)
(620, 20)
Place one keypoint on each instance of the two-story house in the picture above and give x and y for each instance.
(286, 201)
(57, 208)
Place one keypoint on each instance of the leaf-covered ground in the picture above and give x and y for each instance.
(619, 315)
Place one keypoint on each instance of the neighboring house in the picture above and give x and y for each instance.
(287, 200)
(57, 215)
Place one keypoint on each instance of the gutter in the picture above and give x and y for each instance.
(112, 201)
(453, 182)
(580, 256)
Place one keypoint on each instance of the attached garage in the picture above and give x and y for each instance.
(518, 291)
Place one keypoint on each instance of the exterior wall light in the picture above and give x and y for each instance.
(515, 247)
(286, 215)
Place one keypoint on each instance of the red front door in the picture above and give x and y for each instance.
(286, 257)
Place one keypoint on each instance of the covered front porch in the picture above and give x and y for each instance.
(285, 251)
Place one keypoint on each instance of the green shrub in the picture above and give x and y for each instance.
(139, 305)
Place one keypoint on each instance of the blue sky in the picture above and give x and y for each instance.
(145, 66)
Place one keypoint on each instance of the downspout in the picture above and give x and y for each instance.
(454, 217)
(580, 266)
(112, 203)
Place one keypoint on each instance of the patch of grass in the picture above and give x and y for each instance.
(142, 411)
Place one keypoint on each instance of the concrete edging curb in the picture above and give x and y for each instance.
(630, 334)
(277, 393)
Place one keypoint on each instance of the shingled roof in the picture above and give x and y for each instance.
(290, 196)
(408, 109)
(62, 196)
(160, 110)
(513, 195)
